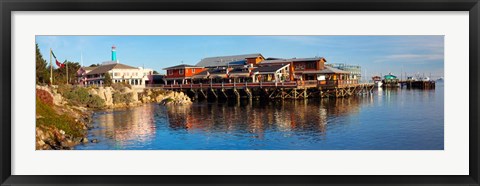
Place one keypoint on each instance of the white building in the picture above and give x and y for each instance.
(134, 76)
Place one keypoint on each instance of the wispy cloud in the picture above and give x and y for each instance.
(410, 58)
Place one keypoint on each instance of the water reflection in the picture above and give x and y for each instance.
(387, 119)
(124, 126)
(257, 117)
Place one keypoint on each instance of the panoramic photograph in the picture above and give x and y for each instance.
(262, 92)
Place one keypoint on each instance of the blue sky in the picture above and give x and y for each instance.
(376, 54)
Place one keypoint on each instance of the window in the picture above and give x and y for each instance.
(170, 72)
(311, 66)
(180, 71)
(193, 70)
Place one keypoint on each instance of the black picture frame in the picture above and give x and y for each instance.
(7, 6)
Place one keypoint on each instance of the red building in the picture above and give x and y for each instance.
(181, 74)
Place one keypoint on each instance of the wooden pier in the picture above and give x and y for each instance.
(410, 84)
(418, 84)
(272, 90)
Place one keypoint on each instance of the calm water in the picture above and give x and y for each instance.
(388, 119)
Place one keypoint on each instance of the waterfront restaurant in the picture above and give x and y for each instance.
(118, 72)
(182, 74)
(271, 73)
(230, 61)
(301, 68)
(334, 76)
(219, 75)
(240, 74)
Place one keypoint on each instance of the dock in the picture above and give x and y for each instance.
(410, 84)
(272, 90)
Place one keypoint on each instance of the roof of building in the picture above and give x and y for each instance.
(327, 70)
(225, 60)
(218, 71)
(270, 68)
(236, 63)
(105, 68)
(205, 72)
(291, 60)
(88, 68)
(182, 67)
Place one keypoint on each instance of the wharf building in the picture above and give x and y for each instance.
(137, 77)
(255, 68)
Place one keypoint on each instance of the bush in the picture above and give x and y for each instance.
(120, 86)
(62, 89)
(48, 117)
(44, 96)
(96, 102)
(107, 80)
(122, 98)
(80, 96)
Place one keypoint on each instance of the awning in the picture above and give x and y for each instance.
(203, 76)
(236, 75)
(182, 78)
(213, 76)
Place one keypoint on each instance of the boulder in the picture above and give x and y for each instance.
(125, 90)
(134, 95)
(92, 91)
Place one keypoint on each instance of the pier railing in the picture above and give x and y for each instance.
(242, 85)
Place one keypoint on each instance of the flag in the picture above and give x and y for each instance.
(61, 65)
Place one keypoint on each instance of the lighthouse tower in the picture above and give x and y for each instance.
(114, 53)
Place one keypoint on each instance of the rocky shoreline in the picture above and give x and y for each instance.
(62, 121)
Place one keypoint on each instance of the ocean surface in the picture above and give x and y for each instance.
(388, 119)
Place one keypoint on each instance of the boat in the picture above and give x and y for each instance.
(377, 80)
(439, 79)
(424, 78)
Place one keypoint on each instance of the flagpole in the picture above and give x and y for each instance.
(51, 68)
(66, 65)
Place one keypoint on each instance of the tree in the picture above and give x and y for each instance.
(108, 80)
(155, 72)
(94, 65)
(60, 74)
(42, 73)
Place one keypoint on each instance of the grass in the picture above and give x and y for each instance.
(61, 121)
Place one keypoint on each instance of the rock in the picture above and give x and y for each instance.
(94, 141)
(84, 140)
(159, 98)
(126, 90)
(92, 91)
(58, 99)
(108, 96)
(62, 132)
(134, 95)
(40, 142)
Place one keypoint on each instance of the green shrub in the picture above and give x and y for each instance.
(48, 117)
(96, 102)
(80, 96)
(168, 100)
(63, 88)
(122, 98)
